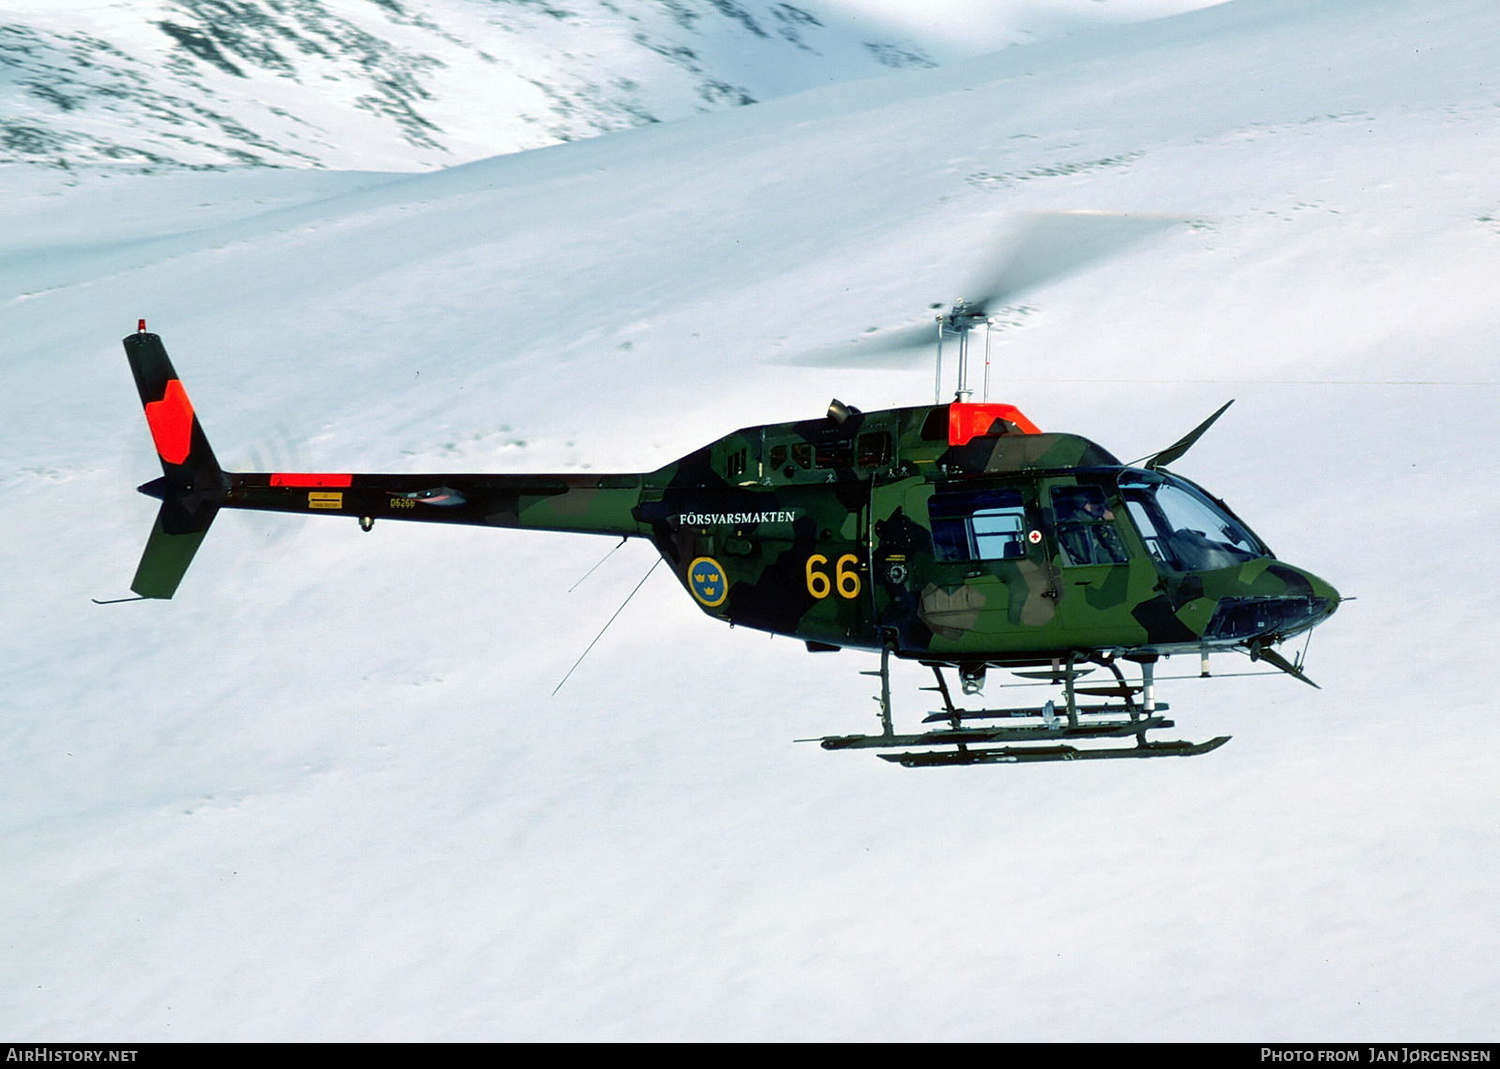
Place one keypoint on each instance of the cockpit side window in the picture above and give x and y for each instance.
(974, 525)
(1185, 530)
(1085, 526)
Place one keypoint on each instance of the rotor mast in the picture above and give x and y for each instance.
(958, 322)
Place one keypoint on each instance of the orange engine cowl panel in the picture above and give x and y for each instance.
(967, 421)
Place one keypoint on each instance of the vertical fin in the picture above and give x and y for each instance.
(192, 486)
(165, 560)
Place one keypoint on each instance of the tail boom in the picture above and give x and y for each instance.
(589, 504)
(193, 488)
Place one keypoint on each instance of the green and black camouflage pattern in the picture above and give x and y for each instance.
(900, 529)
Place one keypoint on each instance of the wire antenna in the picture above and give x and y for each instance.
(595, 568)
(605, 628)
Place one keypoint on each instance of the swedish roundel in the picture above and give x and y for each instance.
(707, 581)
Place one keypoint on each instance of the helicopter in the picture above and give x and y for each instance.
(956, 534)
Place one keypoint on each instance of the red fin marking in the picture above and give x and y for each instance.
(282, 478)
(171, 423)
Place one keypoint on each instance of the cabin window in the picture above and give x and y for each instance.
(1183, 529)
(978, 525)
(1085, 526)
(737, 463)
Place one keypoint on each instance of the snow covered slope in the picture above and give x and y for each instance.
(325, 793)
(415, 84)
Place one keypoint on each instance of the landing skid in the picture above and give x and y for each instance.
(1023, 754)
(1051, 726)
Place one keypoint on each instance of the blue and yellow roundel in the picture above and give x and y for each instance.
(707, 581)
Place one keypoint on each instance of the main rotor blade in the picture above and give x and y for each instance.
(1039, 248)
(1047, 246)
(875, 349)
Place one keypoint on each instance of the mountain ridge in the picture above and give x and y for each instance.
(419, 84)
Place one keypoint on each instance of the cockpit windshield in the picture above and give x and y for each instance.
(1182, 527)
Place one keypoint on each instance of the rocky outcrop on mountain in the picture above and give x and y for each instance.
(398, 84)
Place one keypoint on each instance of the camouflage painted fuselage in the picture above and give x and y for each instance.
(949, 533)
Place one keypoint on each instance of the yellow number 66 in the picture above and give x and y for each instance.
(845, 577)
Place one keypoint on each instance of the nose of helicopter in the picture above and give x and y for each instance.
(1279, 602)
(1323, 600)
(1326, 591)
